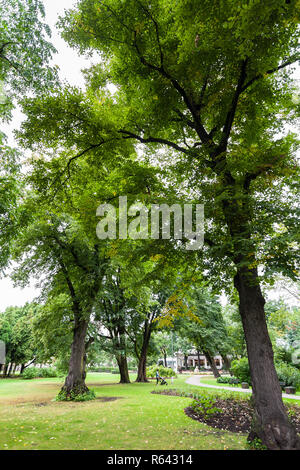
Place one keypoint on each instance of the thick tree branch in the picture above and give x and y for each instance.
(291, 61)
(231, 113)
(148, 140)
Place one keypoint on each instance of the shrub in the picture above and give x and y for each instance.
(89, 395)
(47, 372)
(30, 373)
(205, 406)
(288, 374)
(223, 380)
(35, 372)
(228, 380)
(163, 371)
(240, 369)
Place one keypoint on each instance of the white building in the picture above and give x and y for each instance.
(178, 361)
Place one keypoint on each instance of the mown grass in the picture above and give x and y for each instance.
(137, 420)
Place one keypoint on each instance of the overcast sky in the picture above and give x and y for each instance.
(70, 65)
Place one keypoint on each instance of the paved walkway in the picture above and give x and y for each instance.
(196, 380)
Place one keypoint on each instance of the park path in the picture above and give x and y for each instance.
(196, 380)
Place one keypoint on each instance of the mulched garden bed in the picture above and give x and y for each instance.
(235, 416)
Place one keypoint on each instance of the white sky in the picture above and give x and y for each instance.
(70, 65)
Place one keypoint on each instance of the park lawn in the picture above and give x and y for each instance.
(137, 420)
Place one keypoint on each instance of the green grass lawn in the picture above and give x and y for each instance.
(30, 419)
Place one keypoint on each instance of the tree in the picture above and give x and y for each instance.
(16, 330)
(24, 67)
(212, 81)
(207, 331)
(144, 323)
(112, 312)
(24, 51)
(74, 269)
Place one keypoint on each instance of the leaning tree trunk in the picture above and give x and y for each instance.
(123, 368)
(75, 381)
(270, 423)
(226, 362)
(212, 364)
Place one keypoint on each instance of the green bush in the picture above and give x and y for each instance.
(163, 371)
(87, 396)
(29, 373)
(35, 372)
(240, 369)
(228, 380)
(288, 374)
(48, 372)
(205, 406)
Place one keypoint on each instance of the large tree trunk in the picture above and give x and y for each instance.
(270, 423)
(123, 368)
(142, 376)
(212, 364)
(75, 380)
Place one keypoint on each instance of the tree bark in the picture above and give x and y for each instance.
(75, 380)
(5, 370)
(123, 368)
(270, 423)
(198, 356)
(226, 362)
(165, 359)
(212, 364)
(142, 376)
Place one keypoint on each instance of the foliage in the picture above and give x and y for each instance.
(255, 444)
(240, 369)
(205, 406)
(208, 334)
(228, 380)
(16, 330)
(24, 50)
(87, 396)
(163, 371)
(38, 372)
(288, 374)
